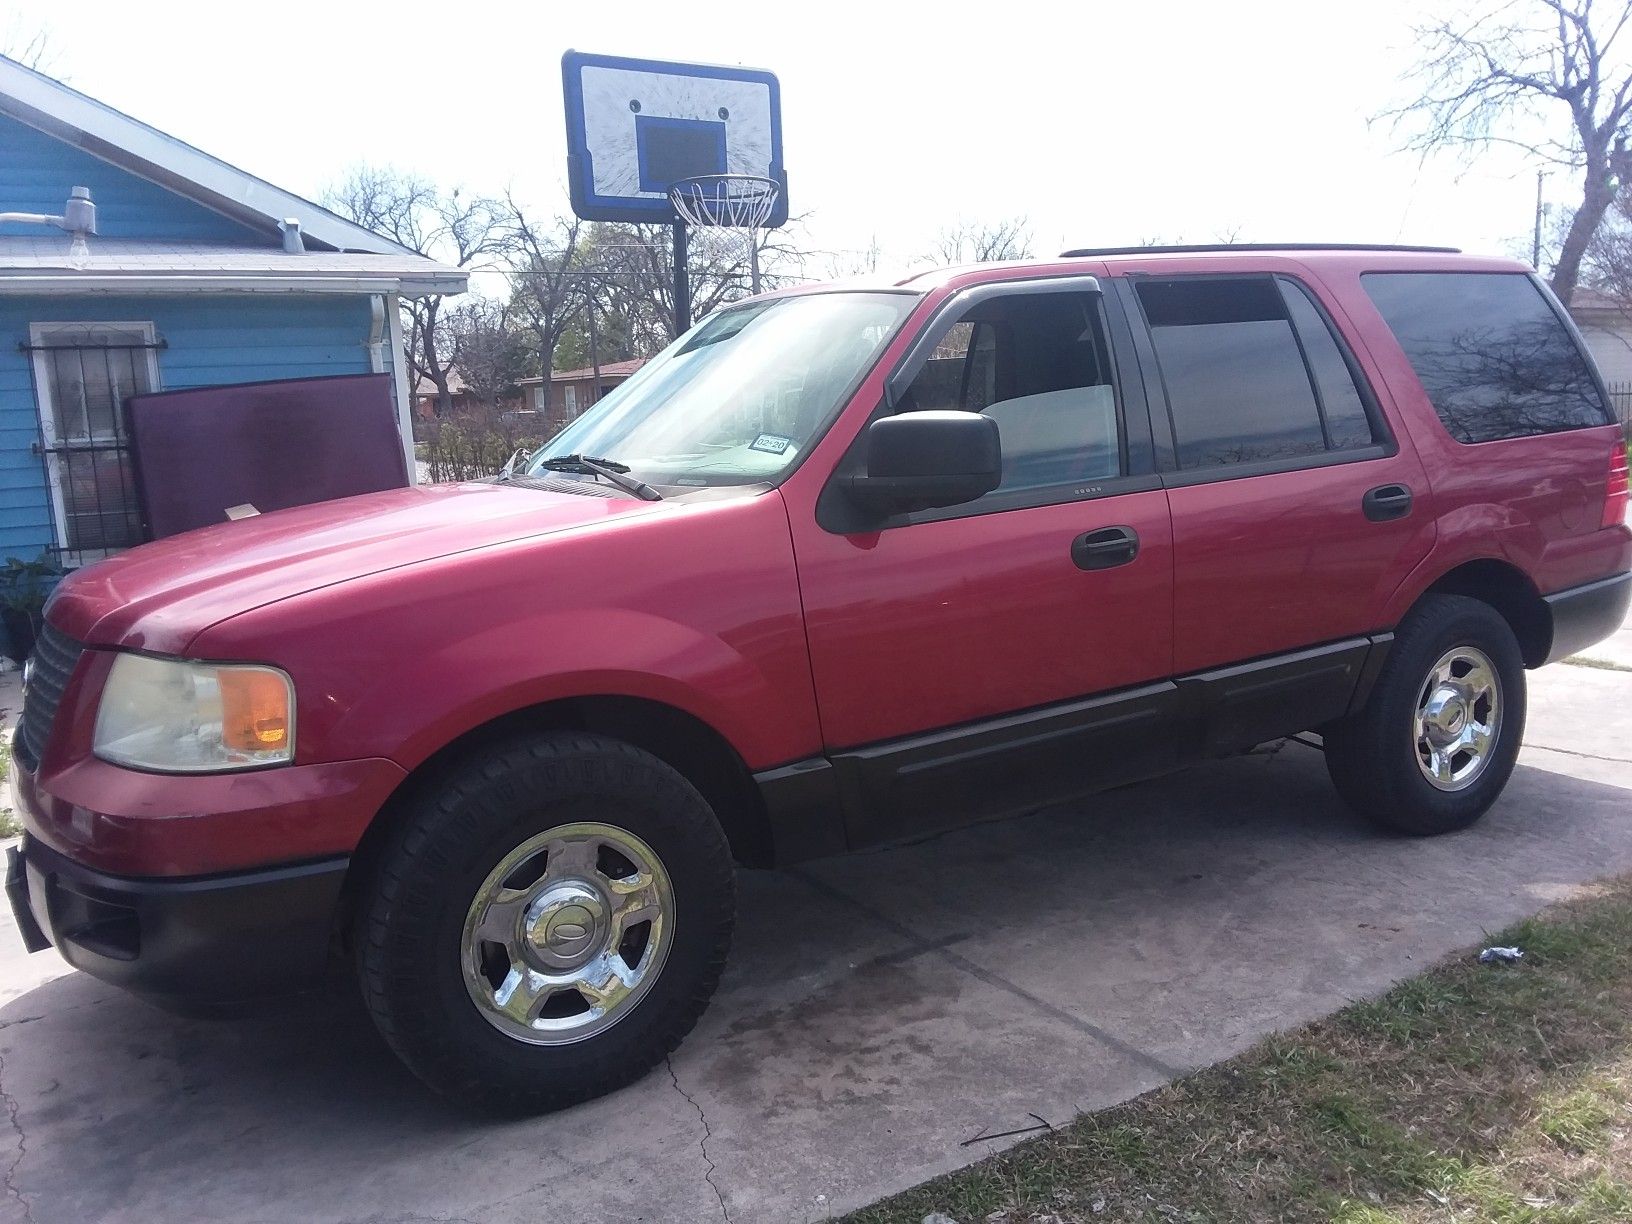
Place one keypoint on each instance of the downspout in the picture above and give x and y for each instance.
(376, 333)
(391, 306)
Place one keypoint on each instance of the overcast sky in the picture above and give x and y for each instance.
(1101, 123)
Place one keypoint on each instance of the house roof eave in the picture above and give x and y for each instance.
(117, 138)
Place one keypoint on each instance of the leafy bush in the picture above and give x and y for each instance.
(475, 445)
(24, 587)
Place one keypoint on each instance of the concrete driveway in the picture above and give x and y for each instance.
(879, 1013)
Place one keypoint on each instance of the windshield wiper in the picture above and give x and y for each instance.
(607, 469)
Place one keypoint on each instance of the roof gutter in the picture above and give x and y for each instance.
(67, 284)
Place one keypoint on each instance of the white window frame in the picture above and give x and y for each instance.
(571, 391)
(39, 336)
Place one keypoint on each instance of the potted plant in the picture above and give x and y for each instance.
(24, 586)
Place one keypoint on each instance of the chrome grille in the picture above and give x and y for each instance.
(55, 654)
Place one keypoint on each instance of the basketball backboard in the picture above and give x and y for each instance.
(636, 127)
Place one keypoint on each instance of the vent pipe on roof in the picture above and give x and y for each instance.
(78, 219)
(291, 235)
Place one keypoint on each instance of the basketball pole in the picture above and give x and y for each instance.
(682, 281)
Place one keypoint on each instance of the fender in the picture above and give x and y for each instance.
(1467, 534)
(697, 607)
(630, 654)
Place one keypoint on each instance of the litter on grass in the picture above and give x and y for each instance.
(1508, 955)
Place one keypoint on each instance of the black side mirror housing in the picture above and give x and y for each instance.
(923, 460)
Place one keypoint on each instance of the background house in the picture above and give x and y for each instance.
(1606, 325)
(192, 273)
(569, 392)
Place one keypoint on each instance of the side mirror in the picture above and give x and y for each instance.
(921, 460)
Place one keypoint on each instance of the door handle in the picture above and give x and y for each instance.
(1390, 501)
(1105, 547)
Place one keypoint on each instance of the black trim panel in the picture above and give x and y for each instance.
(1245, 704)
(803, 809)
(1003, 766)
(1381, 645)
(213, 939)
(942, 779)
(1586, 614)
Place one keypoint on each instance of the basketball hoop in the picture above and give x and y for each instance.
(736, 201)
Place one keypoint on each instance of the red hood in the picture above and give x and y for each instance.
(161, 595)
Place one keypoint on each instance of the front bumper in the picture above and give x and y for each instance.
(184, 942)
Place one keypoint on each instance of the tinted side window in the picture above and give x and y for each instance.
(1236, 383)
(1039, 365)
(1493, 357)
(1344, 412)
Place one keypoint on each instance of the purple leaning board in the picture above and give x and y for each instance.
(270, 444)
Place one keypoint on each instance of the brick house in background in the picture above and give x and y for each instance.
(571, 391)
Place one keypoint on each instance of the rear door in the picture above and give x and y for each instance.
(1295, 510)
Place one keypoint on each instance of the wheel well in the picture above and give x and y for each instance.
(693, 748)
(1505, 588)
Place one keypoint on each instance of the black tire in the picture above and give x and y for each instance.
(1372, 755)
(410, 924)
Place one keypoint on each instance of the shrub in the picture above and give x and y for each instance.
(474, 445)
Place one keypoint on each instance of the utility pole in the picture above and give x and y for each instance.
(1535, 246)
(594, 347)
(682, 281)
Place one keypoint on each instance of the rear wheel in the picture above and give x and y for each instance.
(1440, 732)
(548, 922)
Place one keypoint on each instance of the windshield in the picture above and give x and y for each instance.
(736, 399)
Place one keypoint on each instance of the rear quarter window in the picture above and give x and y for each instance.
(1490, 350)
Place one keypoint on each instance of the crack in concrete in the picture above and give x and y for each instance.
(702, 1142)
(22, 1145)
(1590, 756)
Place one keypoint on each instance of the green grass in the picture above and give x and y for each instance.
(1471, 1093)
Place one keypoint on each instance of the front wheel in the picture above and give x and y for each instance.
(548, 922)
(1439, 735)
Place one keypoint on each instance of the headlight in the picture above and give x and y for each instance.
(182, 717)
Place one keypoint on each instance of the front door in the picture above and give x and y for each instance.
(986, 657)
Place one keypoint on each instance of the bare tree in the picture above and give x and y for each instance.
(542, 258)
(30, 47)
(636, 265)
(842, 265)
(1487, 76)
(449, 225)
(981, 241)
(488, 349)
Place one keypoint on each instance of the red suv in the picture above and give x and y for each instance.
(843, 565)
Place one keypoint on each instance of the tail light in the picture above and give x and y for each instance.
(1615, 493)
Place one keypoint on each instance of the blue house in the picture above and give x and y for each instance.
(132, 262)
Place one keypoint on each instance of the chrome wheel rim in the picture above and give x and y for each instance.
(568, 933)
(1458, 718)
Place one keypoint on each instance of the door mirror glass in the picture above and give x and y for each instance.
(922, 460)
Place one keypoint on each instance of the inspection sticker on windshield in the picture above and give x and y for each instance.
(771, 444)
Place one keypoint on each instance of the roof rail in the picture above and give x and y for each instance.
(1208, 248)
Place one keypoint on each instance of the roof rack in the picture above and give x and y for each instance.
(1208, 248)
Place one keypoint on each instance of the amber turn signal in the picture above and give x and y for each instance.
(254, 709)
